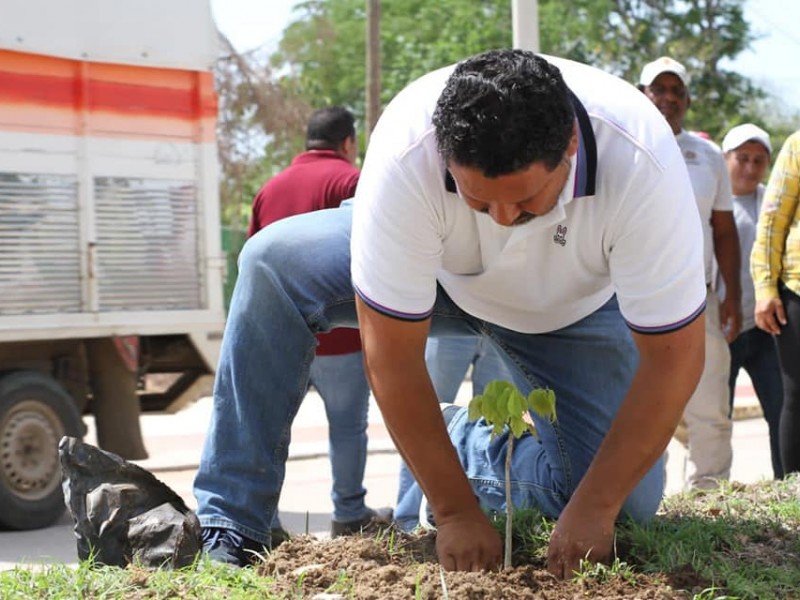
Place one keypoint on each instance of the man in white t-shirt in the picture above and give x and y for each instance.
(666, 83)
(747, 150)
(535, 201)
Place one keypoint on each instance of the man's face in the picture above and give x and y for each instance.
(671, 98)
(747, 166)
(512, 199)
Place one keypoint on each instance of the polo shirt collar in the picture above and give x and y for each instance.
(585, 160)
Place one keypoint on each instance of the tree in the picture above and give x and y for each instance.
(323, 51)
(321, 61)
(620, 36)
(260, 127)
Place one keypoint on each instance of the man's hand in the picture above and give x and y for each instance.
(579, 535)
(468, 542)
(770, 315)
(730, 318)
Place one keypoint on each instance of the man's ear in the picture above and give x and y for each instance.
(349, 148)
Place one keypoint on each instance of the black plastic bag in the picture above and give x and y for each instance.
(123, 514)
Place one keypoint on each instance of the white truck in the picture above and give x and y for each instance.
(111, 270)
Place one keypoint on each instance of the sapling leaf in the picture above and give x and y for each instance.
(502, 406)
(518, 426)
(543, 402)
(517, 403)
(475, 411)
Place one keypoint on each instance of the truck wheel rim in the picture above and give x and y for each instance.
(29, 437)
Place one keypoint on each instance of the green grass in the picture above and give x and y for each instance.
(204, 581)
(736, 542)
(730, 544)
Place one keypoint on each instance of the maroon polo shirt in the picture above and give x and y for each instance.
(315, 180)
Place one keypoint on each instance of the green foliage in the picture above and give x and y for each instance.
(322, 55)
(323, 52)
(621, 36)
(502, 404)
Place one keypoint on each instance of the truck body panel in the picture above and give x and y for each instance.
(111, 267)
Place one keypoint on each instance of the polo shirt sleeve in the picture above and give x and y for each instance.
(396, 243)
(655, 246)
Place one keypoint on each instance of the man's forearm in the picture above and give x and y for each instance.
(729, 261)
(413, 417)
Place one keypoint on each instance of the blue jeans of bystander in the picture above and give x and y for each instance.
(754, 351)
(342, 384)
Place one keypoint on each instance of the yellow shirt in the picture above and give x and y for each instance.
(776, 251)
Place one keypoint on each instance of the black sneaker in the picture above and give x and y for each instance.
(278, 535)
(229, 547)
(375, 520)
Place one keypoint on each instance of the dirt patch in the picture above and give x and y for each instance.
(715, 540)
(404, 566)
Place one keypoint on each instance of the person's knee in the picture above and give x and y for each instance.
(268, 246)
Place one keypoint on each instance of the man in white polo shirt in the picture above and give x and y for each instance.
(666, 83)
(538, 202)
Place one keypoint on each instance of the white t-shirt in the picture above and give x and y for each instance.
(746, 210)
(632, 230)
(711, 184)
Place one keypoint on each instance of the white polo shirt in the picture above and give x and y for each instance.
(625, 223)
(711, 184)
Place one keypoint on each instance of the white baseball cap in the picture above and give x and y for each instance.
(665, 64)
(745, 133)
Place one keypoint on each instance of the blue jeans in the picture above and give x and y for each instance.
(754, 351)
(448, 358)
(342, 384)
(294, 281)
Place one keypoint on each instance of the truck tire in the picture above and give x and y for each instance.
(35, 413)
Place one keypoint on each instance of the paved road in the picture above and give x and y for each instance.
(174, 443)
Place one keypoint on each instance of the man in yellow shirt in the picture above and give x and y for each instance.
(775, 266)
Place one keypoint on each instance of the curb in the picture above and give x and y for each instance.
(747, 411)
(380, 443)
(169, 462)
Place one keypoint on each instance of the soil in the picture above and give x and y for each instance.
(406, 568)
(393, 564)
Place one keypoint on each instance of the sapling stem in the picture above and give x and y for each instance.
(509, 504)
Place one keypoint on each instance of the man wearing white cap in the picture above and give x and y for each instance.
(666, 83)
(747, 152)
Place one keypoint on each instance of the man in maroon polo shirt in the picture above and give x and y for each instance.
(322, 177)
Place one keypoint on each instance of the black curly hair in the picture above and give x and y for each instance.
(503, 110)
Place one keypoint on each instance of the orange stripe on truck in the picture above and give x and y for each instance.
(55, 95)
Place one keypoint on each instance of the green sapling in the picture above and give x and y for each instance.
(502, 405)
